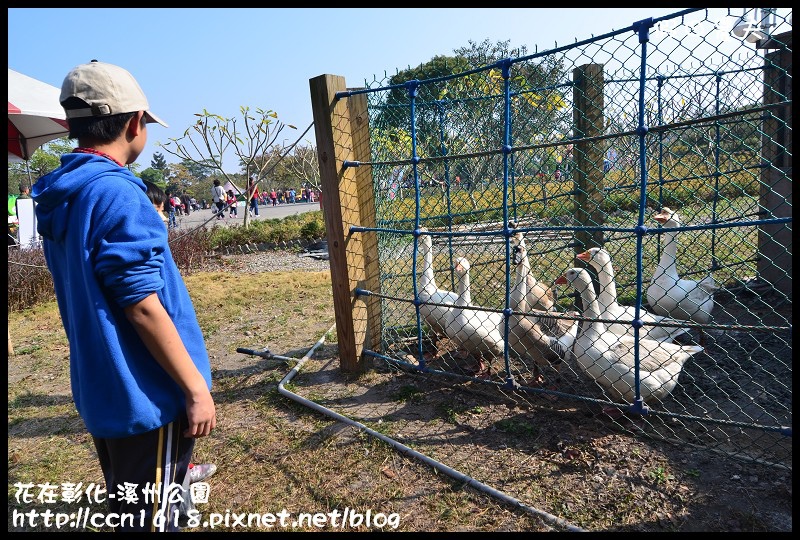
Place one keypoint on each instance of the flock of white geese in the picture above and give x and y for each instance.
(605, 351)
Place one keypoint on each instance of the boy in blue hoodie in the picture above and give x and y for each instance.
(139, 369)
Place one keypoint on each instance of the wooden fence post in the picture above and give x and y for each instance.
(588, 121)
(775, 240)
(359, 123)
(341, 211)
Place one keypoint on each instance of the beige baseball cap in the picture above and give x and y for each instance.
(107, 89)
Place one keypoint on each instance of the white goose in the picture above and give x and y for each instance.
(600, 260)
(609, 358)
(434, 316)
(538, 296)
(528, 335)
(670, 295)
(476, 331)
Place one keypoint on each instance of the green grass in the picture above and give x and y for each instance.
(661, 475)
(409, 393)
(516, 427)
(682, 182)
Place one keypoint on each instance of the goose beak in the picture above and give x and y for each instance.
(662, 216)
(562, 280)
(585, 256)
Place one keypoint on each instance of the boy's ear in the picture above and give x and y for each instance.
(135, 124)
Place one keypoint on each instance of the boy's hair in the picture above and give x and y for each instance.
(156, 195)
(103, 129)
(216, 181)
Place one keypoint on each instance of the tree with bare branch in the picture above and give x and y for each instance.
(249, 138)
(304, 165)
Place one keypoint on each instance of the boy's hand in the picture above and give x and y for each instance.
(202, 416)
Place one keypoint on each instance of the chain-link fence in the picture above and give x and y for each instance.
(491, 189)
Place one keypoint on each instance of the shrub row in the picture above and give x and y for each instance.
(30, 282)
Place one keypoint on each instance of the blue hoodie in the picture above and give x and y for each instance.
(107, 249)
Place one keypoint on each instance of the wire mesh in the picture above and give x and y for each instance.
(480, 171)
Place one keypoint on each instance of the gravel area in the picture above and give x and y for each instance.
(269, 261)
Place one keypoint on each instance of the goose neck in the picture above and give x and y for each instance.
(591, 308)
(427, 280)
(608, 288)
(670, 251)
(464, 295)
(520, 289)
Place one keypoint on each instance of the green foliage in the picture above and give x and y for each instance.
(45, 159)
(486, 52)
(307, 226)
(313, 229)
(449, 413)
(445, 104)
(197, 170)
(660, 475)
(155, 176)
(516, 427)
(158, 162)
(409, 393)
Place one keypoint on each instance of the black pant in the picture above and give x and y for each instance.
(155, 465)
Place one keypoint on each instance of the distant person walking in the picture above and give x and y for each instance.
(252, 189)
(232, 203)
(176, 202)
(218, 196)
(186, 201)
(171, 221)
(273, 195)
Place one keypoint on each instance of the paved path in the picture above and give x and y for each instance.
(198, 217)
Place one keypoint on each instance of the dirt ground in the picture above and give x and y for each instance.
(568, 463)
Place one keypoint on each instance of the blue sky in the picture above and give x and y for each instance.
(187, 60)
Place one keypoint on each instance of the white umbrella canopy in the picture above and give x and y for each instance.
(35, 115)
